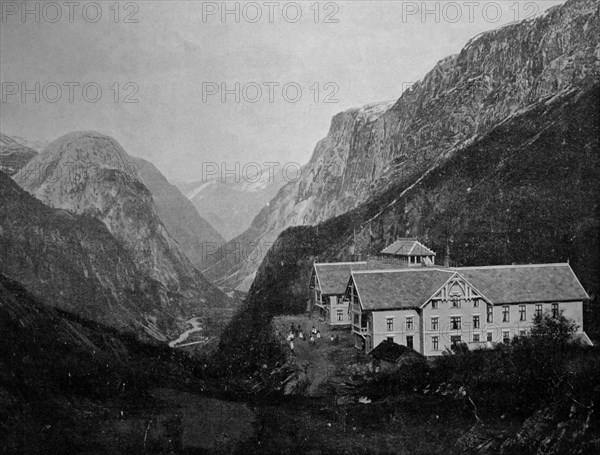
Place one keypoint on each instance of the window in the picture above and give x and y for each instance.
(475, 303)
(506, 336)
(490, 313)
(522, 313)
(409, 341)
(389, 324)
(505, 313)
(434, 323)
(490, 336)
(409, 323)
(340, 315)
(434, 304)
(475, 338)
(436, 343)
(475, 322)
(390, 339)
(455, 322)
(455, 301)
(522, 332)
(455, 339)
(538, 310)
(555, 310)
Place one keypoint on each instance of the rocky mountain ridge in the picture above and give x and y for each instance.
(192, 232)
(497, 76)
(87, 173)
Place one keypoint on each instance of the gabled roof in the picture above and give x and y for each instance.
(506, 284)
(392, 352)
(333, 276)
(400, 288)
(408, 247)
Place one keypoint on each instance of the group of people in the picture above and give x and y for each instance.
(297, 332)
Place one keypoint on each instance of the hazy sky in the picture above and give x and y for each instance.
(169, 55)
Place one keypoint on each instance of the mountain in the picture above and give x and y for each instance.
(497, 76)
(230, 202)
(193, 233)
(87, 173)
(195, 236)
(75, 264)
(14, 154)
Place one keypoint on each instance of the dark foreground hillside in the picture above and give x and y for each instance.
(69, 385)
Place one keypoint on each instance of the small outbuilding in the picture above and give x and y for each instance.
(388, 354)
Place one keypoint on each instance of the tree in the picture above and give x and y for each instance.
(555, 332)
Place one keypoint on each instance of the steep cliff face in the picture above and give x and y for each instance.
(192, 232)
(90, 174)
(495, 77)
(318, 194)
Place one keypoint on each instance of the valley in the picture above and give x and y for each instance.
(147, 315)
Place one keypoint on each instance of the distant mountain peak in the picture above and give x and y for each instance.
(14, 154)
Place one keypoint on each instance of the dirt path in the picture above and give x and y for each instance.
(324, 359)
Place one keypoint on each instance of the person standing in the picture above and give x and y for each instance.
(292, 347)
